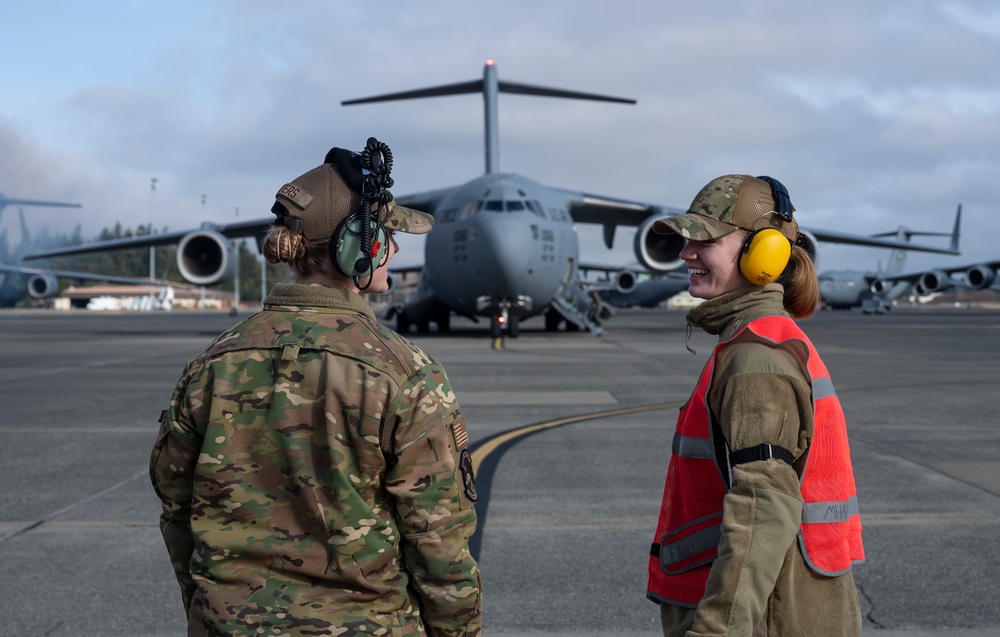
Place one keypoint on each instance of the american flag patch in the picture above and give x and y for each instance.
(461, 435)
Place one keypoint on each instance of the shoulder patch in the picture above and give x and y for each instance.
(460, 433)
(468, 475)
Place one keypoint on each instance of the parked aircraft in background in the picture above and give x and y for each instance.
(974, 276)
(633, 286)
(504, 246)
(10, 289)
(16, 280)
(874, 291)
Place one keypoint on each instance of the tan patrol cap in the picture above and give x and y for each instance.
(725, 204)
(315, 203)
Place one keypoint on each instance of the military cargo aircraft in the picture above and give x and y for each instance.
(11, 289)
(875, 290)
(504, 246)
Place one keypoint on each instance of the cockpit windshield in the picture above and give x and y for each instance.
(512, 205)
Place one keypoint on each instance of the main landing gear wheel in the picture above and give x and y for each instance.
(513, 326)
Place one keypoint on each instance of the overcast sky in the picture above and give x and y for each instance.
(874, 114)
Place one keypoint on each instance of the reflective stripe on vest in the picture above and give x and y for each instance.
(691, 511)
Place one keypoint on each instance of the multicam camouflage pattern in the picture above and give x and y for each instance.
(724, 205)
(402, 219)
(309, 472)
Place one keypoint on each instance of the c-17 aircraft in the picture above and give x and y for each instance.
(10, 292)
(874, 291)
(504, 246)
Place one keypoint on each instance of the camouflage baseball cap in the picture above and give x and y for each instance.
(315, 203)
(726, 204)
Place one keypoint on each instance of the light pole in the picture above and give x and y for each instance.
(152, 249)
(236, 291)
(201, 306)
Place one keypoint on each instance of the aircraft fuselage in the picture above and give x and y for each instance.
(501, 241)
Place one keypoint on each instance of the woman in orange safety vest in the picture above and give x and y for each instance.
(759, 525)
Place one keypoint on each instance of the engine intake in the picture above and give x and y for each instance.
(205, 257)
(625, 281)
(657, 252)
(979, 277)
(933, 281)
(43, 286)
(879, 286)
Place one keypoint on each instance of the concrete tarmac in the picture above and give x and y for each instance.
(569, 510)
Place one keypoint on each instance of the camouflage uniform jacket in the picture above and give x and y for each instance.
(315, 481)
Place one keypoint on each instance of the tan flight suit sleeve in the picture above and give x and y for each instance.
(434, 509)
(758, 395)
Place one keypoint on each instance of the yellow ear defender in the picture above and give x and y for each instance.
(766, 251)
(765, 255)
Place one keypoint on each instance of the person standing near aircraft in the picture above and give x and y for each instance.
(313, 464)
(759, 526)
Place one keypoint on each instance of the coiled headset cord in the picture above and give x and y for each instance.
(376, 166)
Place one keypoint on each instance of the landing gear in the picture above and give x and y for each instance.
(496, 327)
(505, 321)
(552, 320)
(513, 326)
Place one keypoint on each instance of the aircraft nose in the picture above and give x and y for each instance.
(503, 251)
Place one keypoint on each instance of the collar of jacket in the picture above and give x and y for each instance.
(726, 314)
(299, 296)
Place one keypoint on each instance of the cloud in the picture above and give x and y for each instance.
(874, 114)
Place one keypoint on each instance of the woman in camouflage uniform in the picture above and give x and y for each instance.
(312, 464)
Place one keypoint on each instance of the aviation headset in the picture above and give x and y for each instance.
(360, 243)
(766, 251)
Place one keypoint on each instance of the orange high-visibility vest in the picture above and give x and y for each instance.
(690, 523)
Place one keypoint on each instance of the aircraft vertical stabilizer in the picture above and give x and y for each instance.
(4, 202)
(490, 86)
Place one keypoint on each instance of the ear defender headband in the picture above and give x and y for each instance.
(360, 244)
(766, 251)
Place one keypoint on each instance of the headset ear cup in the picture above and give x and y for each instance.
(764, 256)
(345, 249)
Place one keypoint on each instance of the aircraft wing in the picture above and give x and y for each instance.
(830, 236)
(914, 277)
(85, 276)
(611, 212)
(590, 208)
(425, 201)
(250, 228)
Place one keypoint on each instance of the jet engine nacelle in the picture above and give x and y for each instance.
(933, 281)
(879, 286)
(625, 281)
(979, 276)
(43, 286)
(205, 257)
(657, 252)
